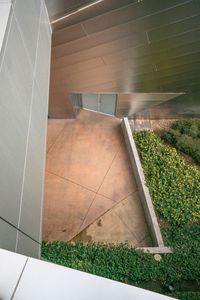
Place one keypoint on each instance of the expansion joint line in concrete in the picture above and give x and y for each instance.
(71, 181)
(57, 137)
(93, 199)
(127, 227)
(101, 184)
(109, 209)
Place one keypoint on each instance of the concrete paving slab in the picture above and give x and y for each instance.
(86, 149)
(66, 205)
(88, 174)
(124, 223)
(99, 207)
(108, 229)
(55, 126)
(119, 181)
(130, 211)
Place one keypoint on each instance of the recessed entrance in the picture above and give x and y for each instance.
(121, 105)
(103, 103)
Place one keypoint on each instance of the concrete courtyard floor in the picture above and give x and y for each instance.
(90, 191)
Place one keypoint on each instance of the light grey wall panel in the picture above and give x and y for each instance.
(33, 178)
(15, 98)
(27, 246)
(17, 62)
(43, 59)
(8, 236)
(27, 13)
(46, 21)
(32, 197)
(4, 16)
(24, 89)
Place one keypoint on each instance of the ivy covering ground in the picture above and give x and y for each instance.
(125, 264)
(186, 295)
(174, 185)
(185, 135)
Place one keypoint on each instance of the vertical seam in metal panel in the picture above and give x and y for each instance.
(33, 83)
(45, 155)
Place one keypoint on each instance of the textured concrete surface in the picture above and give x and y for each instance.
(124, 223)
(88, 173)
(55, 127)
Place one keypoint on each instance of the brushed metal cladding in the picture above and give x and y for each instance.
(135, 12)
(146, 46)
(68, 34)
(132, 103)
(60, 8)
(91, 12)
(177, 108)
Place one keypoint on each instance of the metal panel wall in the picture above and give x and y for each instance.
(24, 86)
(143, 46)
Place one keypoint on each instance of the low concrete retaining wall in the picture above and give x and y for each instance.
(144, 192)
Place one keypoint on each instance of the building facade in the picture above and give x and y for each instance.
(24, 92)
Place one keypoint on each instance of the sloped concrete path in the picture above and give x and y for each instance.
(88, 174)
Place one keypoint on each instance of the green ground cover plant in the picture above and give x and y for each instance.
(173, 185)
(185, 136)
(125, 264)
(185, 295)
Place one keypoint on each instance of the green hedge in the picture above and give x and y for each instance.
(185, 295)
(185, 135)
(174, 185)
(125, 264)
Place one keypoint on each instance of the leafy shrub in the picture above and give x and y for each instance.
(194, 131)
(185, 135)
(174, 186)
(184, 263)
(172, 136)
(182, 125)
(125, 264)
(185, 295)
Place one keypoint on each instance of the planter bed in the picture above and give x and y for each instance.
(173, 185)
(144, 192)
